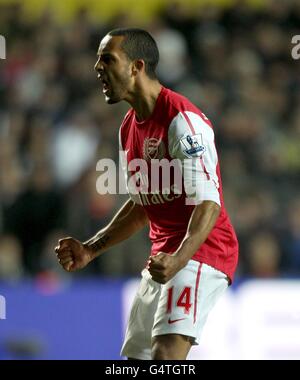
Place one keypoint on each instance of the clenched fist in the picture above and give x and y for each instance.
(72, 254)
(163, 267)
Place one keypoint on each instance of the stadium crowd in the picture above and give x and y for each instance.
(234, 63)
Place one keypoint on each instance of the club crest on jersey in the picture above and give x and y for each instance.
(153, 148)
(193, 145)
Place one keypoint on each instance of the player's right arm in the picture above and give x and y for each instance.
(73, 254)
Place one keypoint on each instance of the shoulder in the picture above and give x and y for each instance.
(190, 124)
(183, 111)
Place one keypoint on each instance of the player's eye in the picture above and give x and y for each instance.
(107, 59)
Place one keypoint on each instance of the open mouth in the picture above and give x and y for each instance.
(105, 86)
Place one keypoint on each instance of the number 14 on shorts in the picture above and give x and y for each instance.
(184, 300)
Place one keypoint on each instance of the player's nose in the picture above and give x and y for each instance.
(98, 67)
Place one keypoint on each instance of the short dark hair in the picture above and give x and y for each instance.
(139, 44)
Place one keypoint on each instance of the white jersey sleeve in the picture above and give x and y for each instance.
(191, 140)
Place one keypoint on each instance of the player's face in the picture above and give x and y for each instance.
(114, 69)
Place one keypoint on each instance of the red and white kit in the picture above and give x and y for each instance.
(177, 130)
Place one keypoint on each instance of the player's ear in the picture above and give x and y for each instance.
(138, 66)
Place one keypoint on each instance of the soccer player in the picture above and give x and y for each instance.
(194, 247)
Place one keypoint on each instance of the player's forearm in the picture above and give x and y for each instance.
(201, 223)
(129, 220)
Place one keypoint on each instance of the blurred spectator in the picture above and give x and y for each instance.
(264, 256)
(74, 147)
(11, 268)
(291, 238)
(173, 61)
(35, 212)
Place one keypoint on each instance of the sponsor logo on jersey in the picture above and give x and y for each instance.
(153, 148)
(154, 199)
(192, 146)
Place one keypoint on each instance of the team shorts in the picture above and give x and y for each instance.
(180, 306)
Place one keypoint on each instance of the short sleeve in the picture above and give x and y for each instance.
(191, 140)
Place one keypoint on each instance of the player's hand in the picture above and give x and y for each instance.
(163, 267)
(72, 254)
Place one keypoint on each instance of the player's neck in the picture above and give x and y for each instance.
(144, 99)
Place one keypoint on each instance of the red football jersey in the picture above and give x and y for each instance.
(177, 132)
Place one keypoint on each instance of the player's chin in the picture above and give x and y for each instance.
(112, 100)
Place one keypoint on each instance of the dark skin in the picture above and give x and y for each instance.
(127, 80)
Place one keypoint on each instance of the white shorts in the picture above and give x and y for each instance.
(180, 306)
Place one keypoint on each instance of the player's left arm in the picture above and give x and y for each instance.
(164, 266)
(191, 140)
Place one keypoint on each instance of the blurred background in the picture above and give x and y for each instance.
(233, 60)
